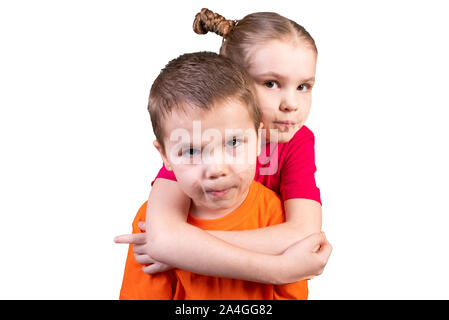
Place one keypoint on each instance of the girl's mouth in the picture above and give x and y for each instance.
(286, 123)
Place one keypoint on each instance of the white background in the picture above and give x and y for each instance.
(76, 140)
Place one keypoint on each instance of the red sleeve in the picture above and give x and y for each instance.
(137, 285)
(271, 207)
(298, 169)
(165, 174)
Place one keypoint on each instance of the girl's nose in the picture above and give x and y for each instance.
(290, 102)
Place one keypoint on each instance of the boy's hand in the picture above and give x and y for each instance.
(306, 259)
(139, 242)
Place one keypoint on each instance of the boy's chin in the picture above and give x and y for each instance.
(225, 201)
(222, 200)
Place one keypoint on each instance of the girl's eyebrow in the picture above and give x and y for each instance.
(271, 74)
(278, 76)
(311, 79)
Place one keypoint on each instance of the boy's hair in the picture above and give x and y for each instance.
(199, 80)
(255, 28)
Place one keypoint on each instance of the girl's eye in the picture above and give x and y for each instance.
(271, 84)
(303, 87)
(234, 142)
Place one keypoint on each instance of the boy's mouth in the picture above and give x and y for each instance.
(219, 192)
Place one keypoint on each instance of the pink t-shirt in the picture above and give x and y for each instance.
(286, 168)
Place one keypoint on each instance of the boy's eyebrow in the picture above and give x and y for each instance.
(277, 75)
(204, 143)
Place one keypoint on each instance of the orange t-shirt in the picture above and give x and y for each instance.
(261, 208)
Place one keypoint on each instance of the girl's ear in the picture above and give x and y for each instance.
(158, 146)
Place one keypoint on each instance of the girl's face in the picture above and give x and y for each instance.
(284, 73)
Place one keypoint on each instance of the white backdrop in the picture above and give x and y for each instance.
(77, 158)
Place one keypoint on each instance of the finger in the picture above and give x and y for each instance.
(149, 269)
(316, 248)
(325, 252)
(155, 268)
(144, 259)
(323, 241)
(325, 245)
(142, 225)
(135, 238)
(313, 241)
(139, 249)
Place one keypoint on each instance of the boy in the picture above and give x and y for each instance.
(206, 123)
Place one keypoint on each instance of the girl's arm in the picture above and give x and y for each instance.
(171, 240)
(303, 217)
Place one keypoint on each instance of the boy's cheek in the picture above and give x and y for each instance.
(189, 182)
(186, 175)
(166, 161)
(245, 172)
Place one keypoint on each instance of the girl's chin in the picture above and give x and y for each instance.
(284, 137)
(284, 134)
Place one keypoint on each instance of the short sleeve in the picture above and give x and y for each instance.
(165, 174)
(298, 168)
(136, 284)
(292, 291)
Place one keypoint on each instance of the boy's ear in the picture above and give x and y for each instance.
(158, 146)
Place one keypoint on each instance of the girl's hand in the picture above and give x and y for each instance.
(139, 242)
(305, 259)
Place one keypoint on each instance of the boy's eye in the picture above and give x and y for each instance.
(190, 152)
(271, 84)
(234, 142)
(304, 87)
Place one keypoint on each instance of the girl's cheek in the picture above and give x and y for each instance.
(308, 99)
(268, 106)
(264, 96)
(305, 102)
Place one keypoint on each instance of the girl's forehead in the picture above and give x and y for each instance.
(281, 57)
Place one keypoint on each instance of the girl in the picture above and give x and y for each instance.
(280, 56)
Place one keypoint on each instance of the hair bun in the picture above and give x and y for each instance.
(206, 21)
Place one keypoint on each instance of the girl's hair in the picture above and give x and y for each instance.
(239, 36)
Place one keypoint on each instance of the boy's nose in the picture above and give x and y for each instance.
(216, 170)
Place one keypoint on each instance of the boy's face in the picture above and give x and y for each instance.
(213, 155)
